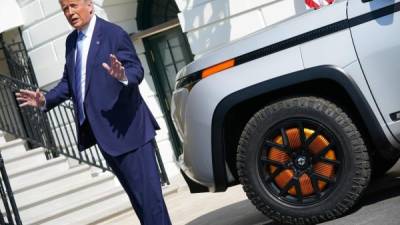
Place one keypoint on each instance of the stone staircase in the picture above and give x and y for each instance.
(50, 192)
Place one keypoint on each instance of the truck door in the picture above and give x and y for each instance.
(375, 28)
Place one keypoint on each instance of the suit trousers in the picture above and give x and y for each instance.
(138, 174)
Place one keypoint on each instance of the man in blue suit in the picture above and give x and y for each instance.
(109, 108)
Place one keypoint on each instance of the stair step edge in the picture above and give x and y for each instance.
(25, 155)
(67, 190)
(70, 172)
(106, 214)
(12, 143)
(19, 171)
(75, 207)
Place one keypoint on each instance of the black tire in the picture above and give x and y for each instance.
(350, 165)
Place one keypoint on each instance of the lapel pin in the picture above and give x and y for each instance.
(97, 42)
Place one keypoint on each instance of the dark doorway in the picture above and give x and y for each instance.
(15, 53)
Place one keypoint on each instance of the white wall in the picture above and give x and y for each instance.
(211, 23)
(10, 15)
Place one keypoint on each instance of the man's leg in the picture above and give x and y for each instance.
(138, 173)
(117, 172)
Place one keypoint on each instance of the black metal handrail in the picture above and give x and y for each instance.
(7, 198)
(54, 130)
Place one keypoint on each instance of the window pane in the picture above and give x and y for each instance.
(165, 53)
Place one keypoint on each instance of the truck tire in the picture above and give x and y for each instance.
(302, 161)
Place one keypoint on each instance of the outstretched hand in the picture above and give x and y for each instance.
(116, 69)
(30, 98)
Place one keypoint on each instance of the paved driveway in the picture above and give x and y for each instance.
(379, 206)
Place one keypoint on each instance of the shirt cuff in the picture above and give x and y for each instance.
(44, 107)
(125, 82)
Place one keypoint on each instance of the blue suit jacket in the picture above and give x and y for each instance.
(119, 118)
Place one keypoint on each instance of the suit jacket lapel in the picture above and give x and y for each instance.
(94, 47)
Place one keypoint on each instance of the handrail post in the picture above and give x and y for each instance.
(10, 195)
(163, 173)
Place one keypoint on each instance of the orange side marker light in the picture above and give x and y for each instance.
(217, 68)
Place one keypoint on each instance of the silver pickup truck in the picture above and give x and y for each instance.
(303, 113)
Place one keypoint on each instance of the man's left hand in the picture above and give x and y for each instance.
(116, 69)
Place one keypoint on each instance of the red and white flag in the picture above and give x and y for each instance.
(316, 4)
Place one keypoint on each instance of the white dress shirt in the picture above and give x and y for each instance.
(88, 33)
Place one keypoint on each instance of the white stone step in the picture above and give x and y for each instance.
(29, 173)
(13, 148)
(65, 193)
(31, 157)
(67, 116)
(89, 215)
(120, 214)
(68, 132)
(88, 154)
(127, 217)
(60, 207)
(2, 138)
(108, 212)
(42, 185)
(73, 209)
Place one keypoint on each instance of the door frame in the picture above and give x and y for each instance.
(151, 57)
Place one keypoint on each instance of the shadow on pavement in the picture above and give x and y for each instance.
(380, 189)
(240, 213)
(244, 213)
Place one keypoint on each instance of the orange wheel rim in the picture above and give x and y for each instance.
(301, 161)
